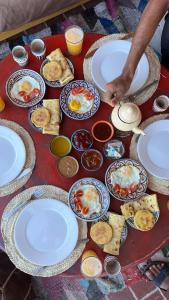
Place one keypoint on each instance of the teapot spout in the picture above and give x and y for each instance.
(137, 130)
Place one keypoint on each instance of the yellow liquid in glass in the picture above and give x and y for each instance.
(60, 146)
(74, 40)
(2, 104)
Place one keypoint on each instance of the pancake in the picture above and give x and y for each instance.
(52, 71)
(40, 117)
(101, 233)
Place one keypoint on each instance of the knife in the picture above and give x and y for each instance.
(92, 52)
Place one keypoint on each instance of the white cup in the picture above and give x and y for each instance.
(112, 265)
(20, 55)
(38, 48)
(161, 103)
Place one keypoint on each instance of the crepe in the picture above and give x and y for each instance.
(148, 202)
(51, 129)
(53, 107)
(57, 56)
(117, 223)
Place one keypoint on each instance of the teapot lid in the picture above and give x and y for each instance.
(129, 112)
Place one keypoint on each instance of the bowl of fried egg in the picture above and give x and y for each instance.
(89, 199)
(126, 179)
(79, 100)
(25, 88)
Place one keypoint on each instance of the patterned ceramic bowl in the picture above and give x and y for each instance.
(104, 198)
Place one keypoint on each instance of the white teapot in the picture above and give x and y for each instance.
(127, 117)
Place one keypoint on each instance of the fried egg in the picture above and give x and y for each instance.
(25, 84)
(125, 176)
(90, 198)
(79, 103)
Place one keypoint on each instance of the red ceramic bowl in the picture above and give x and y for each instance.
(102, 131)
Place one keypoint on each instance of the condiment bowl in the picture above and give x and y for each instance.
(102, 131)
(60, 143)
(85, 140)
(96, 159)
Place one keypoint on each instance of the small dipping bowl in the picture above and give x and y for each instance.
(60, 146)
(92, 160)
(102, 131)
(81, 140)
(68, 166)
(114, 149)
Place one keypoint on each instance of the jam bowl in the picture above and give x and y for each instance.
(92, 160)
(81, 140)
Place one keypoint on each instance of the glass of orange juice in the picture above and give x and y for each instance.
(91, 266)
(74, 39)
(2, 104)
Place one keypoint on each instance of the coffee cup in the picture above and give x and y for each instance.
(112, 265)
(20, 55)
(161, 103)
(38, 48)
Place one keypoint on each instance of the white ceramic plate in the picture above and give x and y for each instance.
(109, 60)
(12, 155)
(46, 232)
(153, 149)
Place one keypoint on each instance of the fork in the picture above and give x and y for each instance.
(35, 195)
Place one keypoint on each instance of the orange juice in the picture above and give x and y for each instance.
(74, 39)
(91, 265)
(2, 104)
(60, 146)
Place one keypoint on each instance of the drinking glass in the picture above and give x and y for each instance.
(74, 39)
(20, 55)
(38, 48)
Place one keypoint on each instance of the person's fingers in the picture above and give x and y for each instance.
(154, 270)
(160, 266)
(149, 275)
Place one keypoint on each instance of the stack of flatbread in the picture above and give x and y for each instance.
(148, 202)
(117, 223)
(47, 117)
(57, 68)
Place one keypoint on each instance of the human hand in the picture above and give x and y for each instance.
(116, 89)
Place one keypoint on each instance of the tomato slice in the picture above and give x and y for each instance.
(89, 96)
(85, 210)
(22, 93)
(36, 91)
(117, 188)
(32, 95)
(77, 200)
(79, 206)
(78, 193)
(75, 91)
(26, 98)
(133, 187)
(123, 192)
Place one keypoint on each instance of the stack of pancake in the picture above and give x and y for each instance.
(47, 117)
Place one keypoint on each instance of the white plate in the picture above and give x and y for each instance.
(109, 60)
(46, 232)
(153, 149)
(12, 155)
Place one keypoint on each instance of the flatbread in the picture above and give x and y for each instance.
(40, 117)
(51, 129)
(53, 106)
(144, 220)
(101, 233)
(67, 74)
(148, 202)
(117, 223)
(52, 71)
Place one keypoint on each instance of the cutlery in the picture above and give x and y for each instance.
(37, 194)
(92, 52)
(132, 97)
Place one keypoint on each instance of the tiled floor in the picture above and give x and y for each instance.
(143, 290)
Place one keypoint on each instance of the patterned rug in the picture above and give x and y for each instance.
(109, 16)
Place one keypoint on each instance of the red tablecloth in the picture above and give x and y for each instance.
(138, 245)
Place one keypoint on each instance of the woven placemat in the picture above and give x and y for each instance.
(15, 184)
(154, 183)
(154, 68)
(7, 229)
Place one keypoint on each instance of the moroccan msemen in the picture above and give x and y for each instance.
(57, 56)
(53, 107)
(117, 223)
(40, 117)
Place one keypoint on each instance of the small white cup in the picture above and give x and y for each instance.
(161, 103)
(38, 48)
(20, 55)
(112, 265)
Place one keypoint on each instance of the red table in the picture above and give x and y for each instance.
(138, 245)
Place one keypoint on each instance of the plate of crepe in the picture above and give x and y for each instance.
(56, 69)
(143, 213)
(46, 116)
